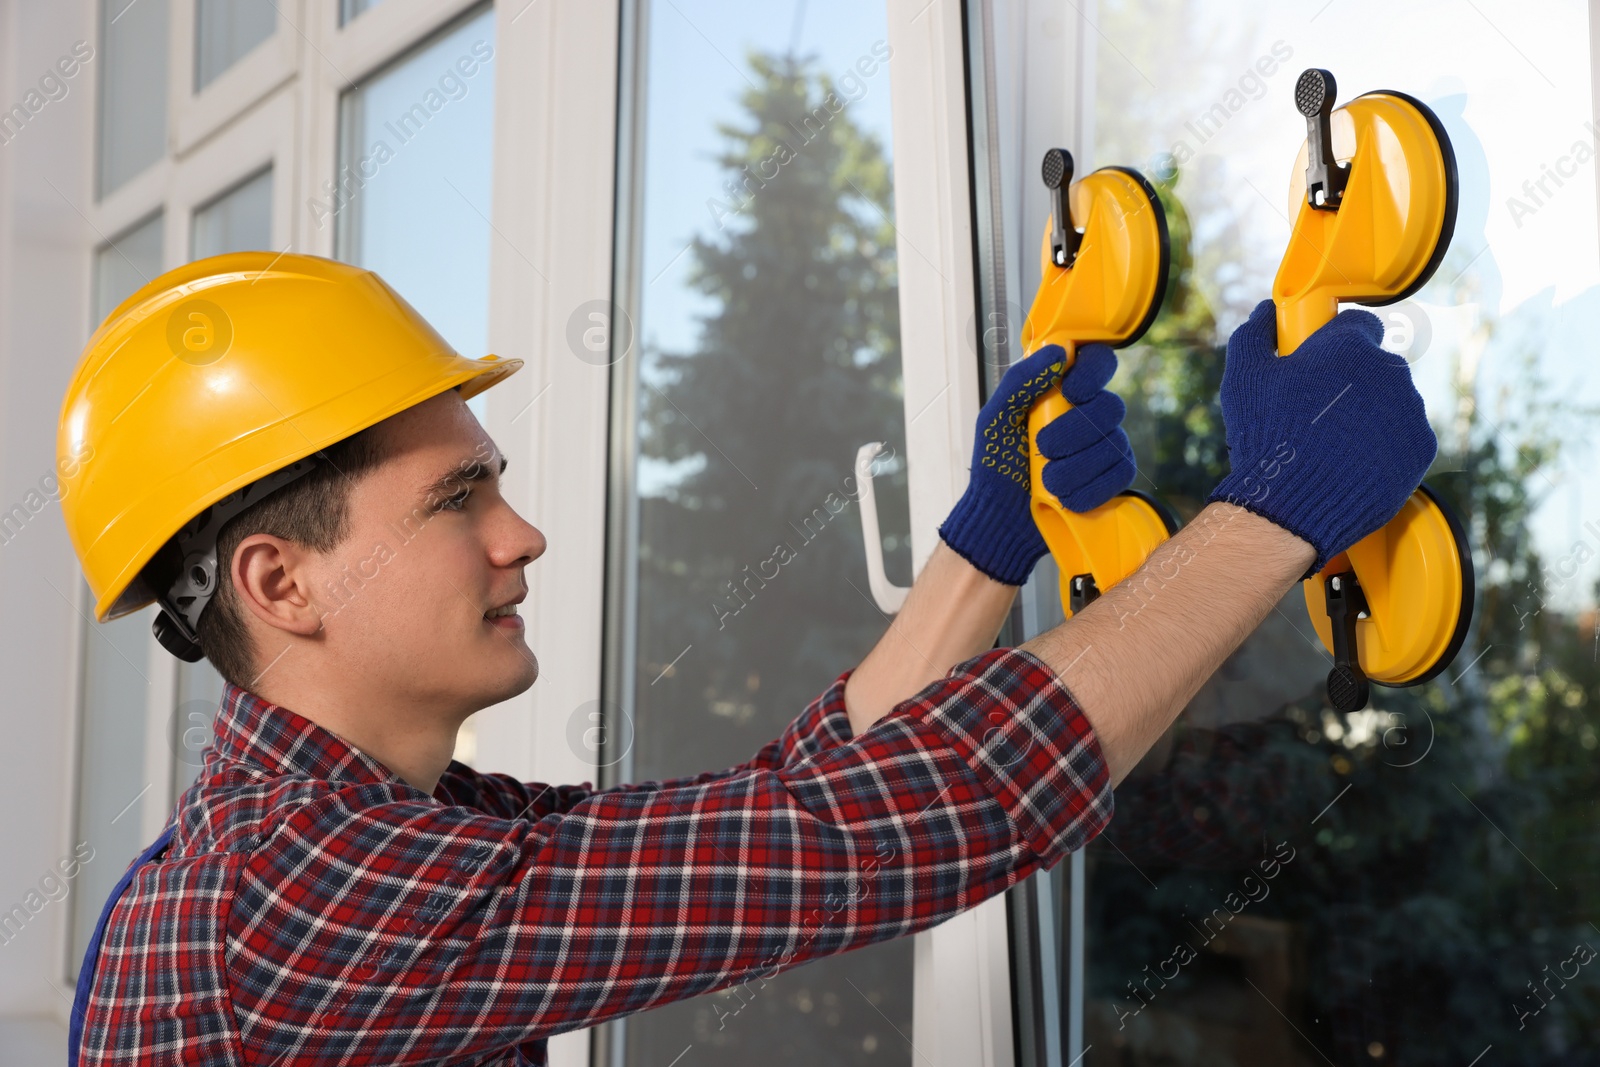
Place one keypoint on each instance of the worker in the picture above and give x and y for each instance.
(282, 458)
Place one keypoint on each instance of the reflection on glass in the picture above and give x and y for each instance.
(226, 31)
(1412, 883)
(411, 200)
(132, 119)
(349, 9)
(769, 352)
(239, 220)
(125, 263)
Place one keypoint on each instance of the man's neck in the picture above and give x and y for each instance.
(413, 743)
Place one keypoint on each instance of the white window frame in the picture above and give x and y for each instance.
(1060, 114)
(262, 137)
(961, 1006)
(194, 116)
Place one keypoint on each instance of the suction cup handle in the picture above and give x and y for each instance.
(1348, 689)
(1314, 94)
(1064, 237)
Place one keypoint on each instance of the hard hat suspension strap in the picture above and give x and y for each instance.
(177, 626)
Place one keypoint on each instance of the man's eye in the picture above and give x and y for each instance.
(457, 502)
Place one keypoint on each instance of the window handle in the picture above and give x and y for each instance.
(889, 596)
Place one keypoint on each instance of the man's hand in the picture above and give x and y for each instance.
(1090, 460)
(1327, 442)
(989, 544)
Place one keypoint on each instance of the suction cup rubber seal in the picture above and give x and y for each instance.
(1165, 265)
(1468, 591)
(1168, 517)
(1452, 201)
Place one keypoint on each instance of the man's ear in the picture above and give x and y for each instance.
(274, 581)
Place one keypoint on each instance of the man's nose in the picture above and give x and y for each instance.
(521, 543)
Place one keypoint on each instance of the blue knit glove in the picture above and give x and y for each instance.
(1089, 460)
(1328, 442)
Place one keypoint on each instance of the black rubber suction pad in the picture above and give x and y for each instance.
(1164, 269)
(1164, 512)
(1469, 593)
(1452, 200)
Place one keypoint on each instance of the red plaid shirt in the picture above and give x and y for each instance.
(314, 908)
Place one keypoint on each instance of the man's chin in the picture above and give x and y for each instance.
(533, 672)
(505, 667)
(519, 679)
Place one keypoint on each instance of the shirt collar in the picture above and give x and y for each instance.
(255, 731)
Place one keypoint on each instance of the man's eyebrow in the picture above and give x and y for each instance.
(456, 478)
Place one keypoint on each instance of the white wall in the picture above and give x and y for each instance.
(45, 241)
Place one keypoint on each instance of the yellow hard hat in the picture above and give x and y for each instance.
(216, 375)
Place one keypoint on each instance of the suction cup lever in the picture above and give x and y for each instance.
(1347, 683)
(1084, 592)
(1314, 94)
(1064, 237)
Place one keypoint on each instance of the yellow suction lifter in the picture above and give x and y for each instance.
(1374, 198)
(1104, 271)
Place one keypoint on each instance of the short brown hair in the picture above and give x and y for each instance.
(312, 511)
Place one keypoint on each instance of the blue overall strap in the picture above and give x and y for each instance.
(80, 1001)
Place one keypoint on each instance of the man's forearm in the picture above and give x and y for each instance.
(1133, 659)
(952, 613)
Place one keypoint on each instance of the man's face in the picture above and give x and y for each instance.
(433, 547)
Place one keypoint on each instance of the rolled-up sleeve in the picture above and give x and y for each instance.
(405, 932)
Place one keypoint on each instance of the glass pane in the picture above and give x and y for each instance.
(769, 352)
(226, 31)
(130, 260)
(1412, 883)
(412, 200)
(133, 88)
(349, 9)
(111, 781)
(239, 220)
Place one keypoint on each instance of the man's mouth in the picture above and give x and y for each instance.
(505, 617)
